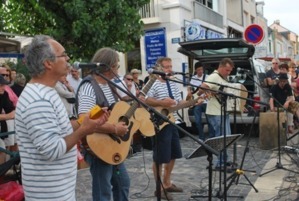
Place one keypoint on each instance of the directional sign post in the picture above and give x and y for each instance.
(254, 34)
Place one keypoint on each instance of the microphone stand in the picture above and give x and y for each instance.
(278, 164)
(223, 122)
(157, 116)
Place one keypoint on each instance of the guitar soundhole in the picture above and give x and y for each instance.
(165, 112)
(123, 119)
(116, 158)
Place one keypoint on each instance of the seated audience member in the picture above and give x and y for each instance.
(282, 96)
(135, 73)
(7, 114)
(19, 84)
(129, 85)
(6, 75)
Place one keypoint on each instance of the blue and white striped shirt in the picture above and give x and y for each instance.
(159, 91)
(87, 96)
(41, 122)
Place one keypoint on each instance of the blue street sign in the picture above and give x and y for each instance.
(155, 46)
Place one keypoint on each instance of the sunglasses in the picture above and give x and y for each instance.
(274, 63)
(129, 79)
(5, 75)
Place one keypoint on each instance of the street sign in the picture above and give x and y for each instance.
(254, 34)
(155, 46)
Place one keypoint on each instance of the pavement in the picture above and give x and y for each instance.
(279, 180)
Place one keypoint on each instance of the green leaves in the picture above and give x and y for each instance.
(82, 26)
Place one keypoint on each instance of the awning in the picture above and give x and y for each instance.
(9, 46)
(282, 59)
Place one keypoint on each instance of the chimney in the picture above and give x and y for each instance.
(277, 22)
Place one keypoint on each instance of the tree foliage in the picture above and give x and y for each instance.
(81, 26)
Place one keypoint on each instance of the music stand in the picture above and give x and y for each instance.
(217, 144)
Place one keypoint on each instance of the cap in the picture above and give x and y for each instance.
(283, 76)
(134, 70)
(2, 80)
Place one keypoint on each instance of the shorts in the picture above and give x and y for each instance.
(169, 146)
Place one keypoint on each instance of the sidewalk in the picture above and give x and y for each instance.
(192, 175)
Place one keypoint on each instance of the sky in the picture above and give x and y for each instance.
(286, 11)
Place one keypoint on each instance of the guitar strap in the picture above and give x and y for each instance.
(169, 89)
(220, 98)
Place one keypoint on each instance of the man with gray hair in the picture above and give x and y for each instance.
(46, 137)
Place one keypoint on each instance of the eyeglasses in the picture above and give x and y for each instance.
(274, 63)
(63, 55)
(129, 79)
(5, 75)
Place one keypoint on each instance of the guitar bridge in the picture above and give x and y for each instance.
(115, 138)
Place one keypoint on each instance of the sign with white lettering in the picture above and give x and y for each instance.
(155, 46)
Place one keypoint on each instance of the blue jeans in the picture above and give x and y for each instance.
(108, 178)
(198, 110)
(218, 130)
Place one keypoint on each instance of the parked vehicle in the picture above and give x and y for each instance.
(248, 71)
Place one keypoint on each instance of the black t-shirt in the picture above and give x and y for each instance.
(271, 74)
(7, 106)
(281, 94)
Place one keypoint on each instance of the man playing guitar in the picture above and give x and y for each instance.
(165, 93)
(105, 177)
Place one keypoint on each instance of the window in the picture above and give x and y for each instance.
(207, 3)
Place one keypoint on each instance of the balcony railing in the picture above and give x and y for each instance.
(208, 15)
(148, 11)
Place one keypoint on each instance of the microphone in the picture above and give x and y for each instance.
(152, 71)
(77, 65)
(179, 73)
(242, 70)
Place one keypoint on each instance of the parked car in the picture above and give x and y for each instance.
(248, 71)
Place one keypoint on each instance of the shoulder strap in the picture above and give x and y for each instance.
(100, 97)
(204, 77)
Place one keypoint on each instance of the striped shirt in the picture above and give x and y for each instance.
(41, 121)
(87, 96)
(159, 91)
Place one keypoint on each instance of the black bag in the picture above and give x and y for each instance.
(71, 100)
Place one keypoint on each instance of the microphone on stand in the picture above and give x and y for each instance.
(161, 73)
(242, 70)
(77, 64)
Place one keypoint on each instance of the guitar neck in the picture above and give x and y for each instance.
(144, 90)
(183, 105)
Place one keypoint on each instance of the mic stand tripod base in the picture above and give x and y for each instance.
(278, 164)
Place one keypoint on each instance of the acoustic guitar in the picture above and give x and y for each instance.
(146, 125)
(111, 148)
